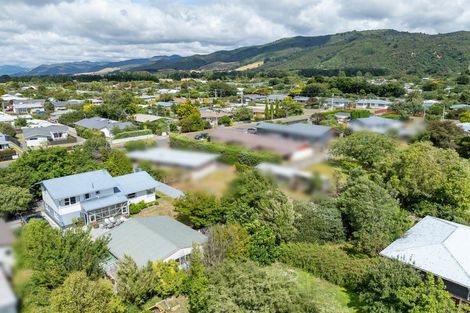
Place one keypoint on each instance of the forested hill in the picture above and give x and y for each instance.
(387, 50)
(375, 51)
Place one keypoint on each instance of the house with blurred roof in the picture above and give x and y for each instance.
(96, 195)
(375, 124)
(104, 125)
(439, 247)
(190, 164)
(314, 134)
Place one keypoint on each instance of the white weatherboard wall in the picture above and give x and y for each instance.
(143, 196)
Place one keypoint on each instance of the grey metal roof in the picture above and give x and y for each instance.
(299, 129)
(102, 123)
(173, 157)
(78, 184)
(43, 131)
(135, 182)
(277, 96)
(437, 246)
(98, 203)
(59, 104)
(151, 238)
(375, 121)
(373, 101)
(165, 104)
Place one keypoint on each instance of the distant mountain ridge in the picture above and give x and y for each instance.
(389, 50)
(12, 69)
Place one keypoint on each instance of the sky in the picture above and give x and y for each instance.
(34, 32)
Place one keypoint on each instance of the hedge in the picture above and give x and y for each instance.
(135, 208)
(7, 154)
(229, 154)
(330, 262)
(133, 133)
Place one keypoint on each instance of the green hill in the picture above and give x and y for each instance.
(393, 51)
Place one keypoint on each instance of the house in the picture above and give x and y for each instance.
(293, 177)
(343, 117)
(277, 97)
(460, 106)
(147, 98)
(287, 149)
(375, 124)
(94, 196)
(336, 102)
(4, 143)
(144, 118)
(165, 104)
(254, 98)
(155, 238)
(9, 97)
(372, 103)
(96, 101)
(7, 258)
(212, 117)
(54, 116)
(439, 247)
(40, 136)
(103, 124)
(464, 126)
(301, 99)
(7, 118)
(429, 103)
(313, 134)
(8, 301)
(28, 106)
(192, 165)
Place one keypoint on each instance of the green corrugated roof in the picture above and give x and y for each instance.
(151, 238)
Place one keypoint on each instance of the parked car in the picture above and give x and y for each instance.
(201, 136)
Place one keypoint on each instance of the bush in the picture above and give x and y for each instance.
(228, 154)
(133, 133)
(139, 145)
(88, 133)
(135, 208)
(329, 262)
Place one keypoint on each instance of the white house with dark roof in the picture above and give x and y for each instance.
(439, 247)
(103, 124)
(41, 136)
(336, 102)
(94, 196)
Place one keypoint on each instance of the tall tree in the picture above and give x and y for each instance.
(118, 163)
(13, 199)
(198, 209)
(372, 217)
(197, 283)
(80, 294)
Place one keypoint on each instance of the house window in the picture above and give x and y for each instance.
(97, 193)
(150, 191)
(131, 195)
(87, 196)
(69, 201)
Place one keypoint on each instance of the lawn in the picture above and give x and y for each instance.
(329, 297)
(214, 183)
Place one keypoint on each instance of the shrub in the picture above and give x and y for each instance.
(135, 208)
(229, 154)
(139, 145)
(330, 262)
(133, 133)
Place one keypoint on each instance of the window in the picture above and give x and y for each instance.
(87, 196)
(97, 193)
(150, 191)
(131, 195)
(69, 201)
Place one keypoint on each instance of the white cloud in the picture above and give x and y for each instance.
(50, 31)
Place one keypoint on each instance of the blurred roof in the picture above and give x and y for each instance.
(173, 157)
